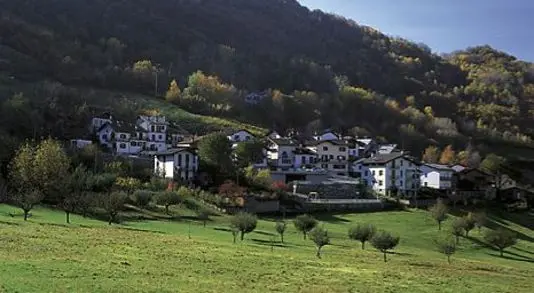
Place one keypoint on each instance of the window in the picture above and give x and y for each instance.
(413, 185)
(236, 137)
(325, 148)
(133, 143)
(122, 136)
(402, 163)
(339, 167)
(381, 173)
(331, 157)
(122, 145)
(342, 149)
(187, 160)
(401, 183)
(179, 159)
(324, 166)
(359, 167)
(366, 173)
(160, 136)
(426, 184)
(153, 128)
(374, 173)
(304, 161)
(380, 183)
(153, 137)
(401, 173)
(247, 138)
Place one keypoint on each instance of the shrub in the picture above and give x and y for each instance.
(362, 233)
(305, 223)
(447, 247)
(245, 223)
(142, 198)
(384, 241)
(167, 199)
(458, 228)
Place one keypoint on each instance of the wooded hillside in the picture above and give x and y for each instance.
(317, 70)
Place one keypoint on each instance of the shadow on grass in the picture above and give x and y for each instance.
(523, 250)
(514, 258)
(142, 230)
(269, 243)
(496, 223)
(222, 229)
(265, 233)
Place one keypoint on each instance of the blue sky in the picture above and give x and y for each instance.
(445, 25)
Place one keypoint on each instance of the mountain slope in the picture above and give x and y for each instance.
(331, 72)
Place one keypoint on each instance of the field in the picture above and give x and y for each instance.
(46, 255)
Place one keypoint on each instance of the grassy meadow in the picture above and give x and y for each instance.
(47, 255)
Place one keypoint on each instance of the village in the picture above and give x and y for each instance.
(326, 171)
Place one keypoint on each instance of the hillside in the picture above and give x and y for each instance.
(150, 256)
(323, 71)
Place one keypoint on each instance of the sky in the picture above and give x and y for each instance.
(445, 25)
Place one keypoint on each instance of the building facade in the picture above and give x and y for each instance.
(436, 176)
(179, 164)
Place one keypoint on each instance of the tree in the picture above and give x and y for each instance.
(480, 219)
(492, 164)
(167, 199)
(76, 186)
(142, 198)
(362, 233)
(203, 216)
(249, 153)
(304, 224)
(384, 241)
(51, 168)
(469, 223)
(215, 150)
(112, 204)
(23, 182)
(280, 229)
(439, 212)
(128, 184)
(448, 156)
(231, 191)
(431, 154)
(245, 223)
(173, 93)
(320, 237)
(447, 247)
(458, 228)
(501, 239)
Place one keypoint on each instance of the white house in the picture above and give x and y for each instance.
(240, 136)
(98, 121)
(178, 164)
(304, 158)
(333, 155)
(436, 176)
(274, 134)
(280, 152)
(389, 173)
(387, 148)
(155, 128)
(105, 135)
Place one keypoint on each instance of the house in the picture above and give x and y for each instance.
(154, 130)
(255, 98)
(387, 148)
(304, 158)
(98, 121)
(240, 136)
(367, 147)
(80, 143)
(280, 152)
(178, 164)
(458, 168)
(333, 155)
(274, 134)
(327, 135)
(390, 173)
(436, 176)
(105, 135)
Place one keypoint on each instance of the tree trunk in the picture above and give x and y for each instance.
(457, 239)
(110, 219)
(501, 251)
(67, 216)
(26, 212)
(363, 245)
(449, 259)
(439, 225)
(167, 209)
(466, 233)
(385, 257)
(282, 237)
(318, 252)
(304, 235)
(242, 235)
(204, 223)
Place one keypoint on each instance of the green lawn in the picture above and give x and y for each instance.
(46, 255)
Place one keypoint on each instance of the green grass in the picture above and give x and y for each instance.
(46, 255)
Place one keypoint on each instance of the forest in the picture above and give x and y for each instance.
(312, 70)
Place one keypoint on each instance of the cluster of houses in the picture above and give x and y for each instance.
(383, 168)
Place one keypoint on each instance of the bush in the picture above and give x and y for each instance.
(447, 247)
(305, 223)
(384, 241)
(245, 223)
(280, 229)
(167, 199)
(439, 212)
(142, 198)
(362, 233)
(458, 228)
